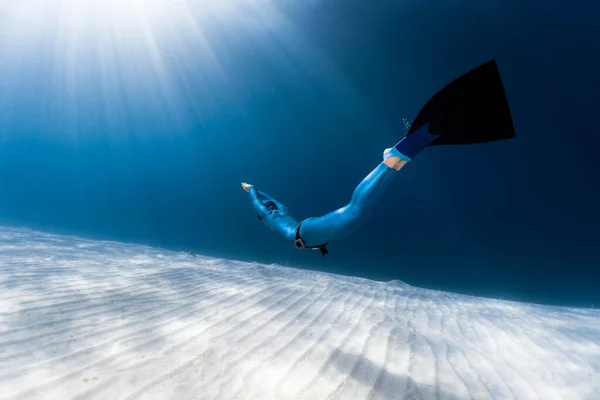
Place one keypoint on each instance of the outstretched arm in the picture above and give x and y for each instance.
(256, 202)
(265, 196)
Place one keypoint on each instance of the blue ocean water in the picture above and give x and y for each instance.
(137, 121)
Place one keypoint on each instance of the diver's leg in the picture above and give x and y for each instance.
(369, 190)
(340, 223)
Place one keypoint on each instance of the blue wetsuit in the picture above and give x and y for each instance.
(317, 232)
(333, 226)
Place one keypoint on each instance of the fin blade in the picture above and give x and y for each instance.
(471, 109)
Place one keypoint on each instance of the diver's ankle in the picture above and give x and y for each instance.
(395, 162)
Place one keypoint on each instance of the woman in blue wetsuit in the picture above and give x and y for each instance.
(315, 233)
(471, 109)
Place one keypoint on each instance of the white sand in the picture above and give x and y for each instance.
(83, 319)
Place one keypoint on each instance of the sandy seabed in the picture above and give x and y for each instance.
(83, 319)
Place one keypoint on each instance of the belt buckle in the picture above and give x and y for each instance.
(299, 244)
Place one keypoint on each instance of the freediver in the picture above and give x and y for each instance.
(471, 109)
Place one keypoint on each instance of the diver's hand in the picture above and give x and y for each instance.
(246, 186)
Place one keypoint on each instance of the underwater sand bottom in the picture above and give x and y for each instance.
(83, 319)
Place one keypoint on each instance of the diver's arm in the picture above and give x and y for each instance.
(257, 203)
(280, 206)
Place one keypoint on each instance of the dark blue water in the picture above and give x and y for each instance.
(143, 130)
